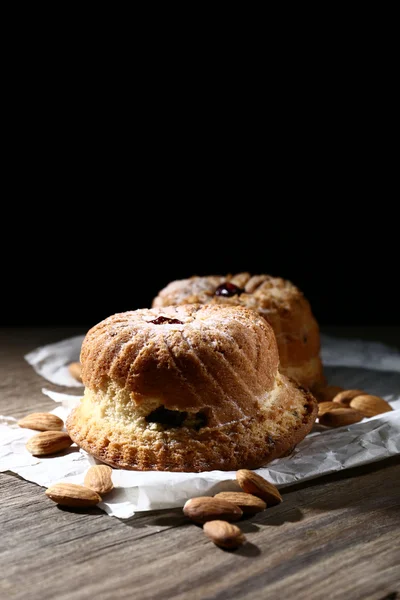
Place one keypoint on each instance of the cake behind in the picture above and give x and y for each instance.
(280, 302)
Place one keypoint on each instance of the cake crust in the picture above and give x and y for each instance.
(187, 388)
(247, 444)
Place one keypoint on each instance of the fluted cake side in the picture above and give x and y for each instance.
(187, 388)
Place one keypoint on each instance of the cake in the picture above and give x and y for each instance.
(280, 302)
(187, 388)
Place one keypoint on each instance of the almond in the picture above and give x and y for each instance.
(340, 417)
(98, 479)
(205, 508)
(369, 405)
(327, 393)
(223, 534)
(48, 442)
(42, 422)
(323, 407)
(252, 483)
(75, 370)
(249, 504)
(347, 396)
(70, 494)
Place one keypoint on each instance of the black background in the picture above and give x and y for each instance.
(99, 212)
(87, 261)
(116, 181)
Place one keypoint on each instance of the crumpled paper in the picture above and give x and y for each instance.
(349, 363)
(51, 361)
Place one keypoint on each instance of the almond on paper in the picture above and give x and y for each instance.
(224, 534)
(98, 479)
(48, 442)
(323, 407)
(370, 406)
(75, 369)
(71, 494)
(252, 483)
(248, 503)
(327, 393)
(205, 508)
(42, 422)
(340, 417)
(347, 396)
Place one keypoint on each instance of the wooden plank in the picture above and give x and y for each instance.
(336, 538)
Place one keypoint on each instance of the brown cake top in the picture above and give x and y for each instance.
(261, 292)
(215, 358)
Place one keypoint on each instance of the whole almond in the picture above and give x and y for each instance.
(42, 422)
(98, 479)
(249, 504)
(347, 396)
(70, 494)
(205, 508)
(340, 417)
(252, 483)
(369, 405)
(223, 534)
(48, 442)
(75, 370)
(327, 393)
(323, 407)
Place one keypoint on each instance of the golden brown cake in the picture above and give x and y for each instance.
(277, 300)
(187, 388)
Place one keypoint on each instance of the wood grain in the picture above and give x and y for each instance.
(335, 538)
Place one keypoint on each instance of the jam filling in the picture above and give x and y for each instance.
(161, 320)
(228, 290)
(176, 418)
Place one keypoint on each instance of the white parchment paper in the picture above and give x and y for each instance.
(349, 363)
(51, 361)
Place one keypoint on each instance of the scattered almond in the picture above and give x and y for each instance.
(75, 370)
(327, 393)
(249, 504)
(252, 483)
(70, 494)
(369, 405)
(42, 422)
(347, 396)
(48, 442)
(340, 417)
(323, 407)
(205, 508)
(223, 534)
(98, 479)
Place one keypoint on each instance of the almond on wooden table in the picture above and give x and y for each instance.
(205, 508)
(248, 503)
(347, 396)
(369, 405)
(252, 483)
(224, 534)
(71, 494)
(75, 369)
(340, 417)
(98, 479)
(48, 442)
(42, 422)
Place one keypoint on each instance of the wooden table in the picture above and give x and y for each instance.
(337, 537)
